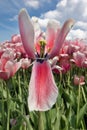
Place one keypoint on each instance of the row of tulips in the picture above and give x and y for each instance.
(13, 57)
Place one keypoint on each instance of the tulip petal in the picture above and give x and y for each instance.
(4, 75)
(27, 33)
(12, 67)
(61, 37)
(42, 88)
(52, 29)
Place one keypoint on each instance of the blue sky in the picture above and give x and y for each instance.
(43, 9)
(9, 10)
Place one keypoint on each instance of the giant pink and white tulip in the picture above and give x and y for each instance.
(43, 91)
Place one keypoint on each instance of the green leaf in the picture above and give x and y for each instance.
(82, 112)
(57, 121)
(66, 97)
(64, 123)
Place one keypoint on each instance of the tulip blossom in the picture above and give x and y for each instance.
(25, 63)
(10, 54)
(79, 80)
(43, 91)
(79, 58)
(8, 68)
(61, 64)
(15, 38)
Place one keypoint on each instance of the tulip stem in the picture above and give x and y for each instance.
(20, 93)
(8, 107)
(2, 106)
(83, 94)
(40, 123)
(78, 103)
(24, 118)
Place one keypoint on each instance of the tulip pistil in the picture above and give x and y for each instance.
(42, 48)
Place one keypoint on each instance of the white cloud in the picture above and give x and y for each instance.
(41, 22)
(81, 25)
(78, 33)
(32, 3)
(85, 13)
(14, 18)
(36, 4)
(62, 3)
(76, 9)
(52, 14)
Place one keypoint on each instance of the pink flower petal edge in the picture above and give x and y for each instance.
(43, 91)
(27, 32)
(61, 37)
(12, 67)
(4, 75)
(52, 29)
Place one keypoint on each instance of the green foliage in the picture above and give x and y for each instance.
(69, 112)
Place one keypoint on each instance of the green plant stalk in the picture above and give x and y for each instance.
(40, 121)
(24, 76)
(78, 103)
(13, 82)
(25, 119)
(2, 106)
(24, 127)
(20, 93)
(82, 125)
(60, 77)
(83, 94)
(8, 111)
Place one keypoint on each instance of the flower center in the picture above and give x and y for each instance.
(42, 48)
(42, 56)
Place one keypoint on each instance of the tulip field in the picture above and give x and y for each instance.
(43, 78)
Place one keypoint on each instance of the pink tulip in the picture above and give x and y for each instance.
(43, 91)
(8, 68)
(84, 63)
(57, 69)
(13, 47)
(54, 61)
(79, 58)
(25, 63)
(79, 80)
(72, 48)
(16, 38)
(16, 44)
(11, 53)
(8, 54)
(65, 65)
